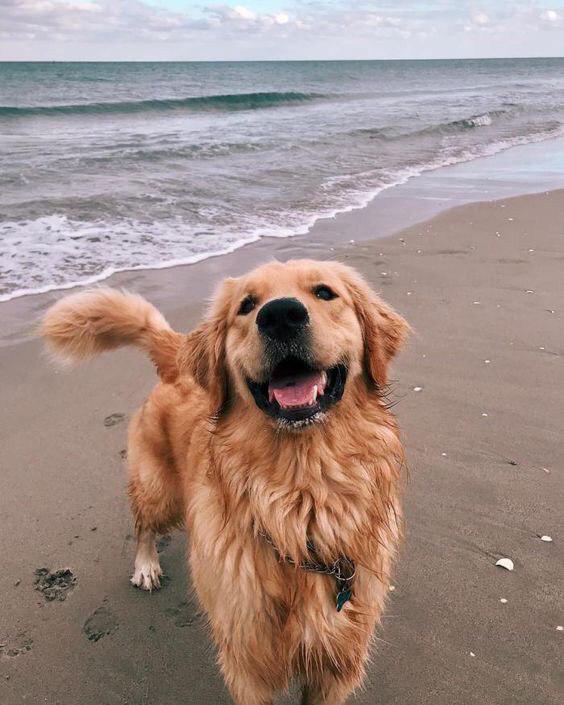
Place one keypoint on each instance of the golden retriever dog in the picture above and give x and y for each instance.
(269, 439)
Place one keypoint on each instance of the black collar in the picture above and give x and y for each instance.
(343, 569)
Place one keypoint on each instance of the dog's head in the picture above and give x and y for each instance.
(290, 338)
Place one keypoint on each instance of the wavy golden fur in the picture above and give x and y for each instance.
(204, 455)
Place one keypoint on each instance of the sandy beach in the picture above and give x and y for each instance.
(479, 397)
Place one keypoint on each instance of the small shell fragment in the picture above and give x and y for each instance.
(503, 600)
(506, 563)
(417, 389)
(548, 539)
(560, 628)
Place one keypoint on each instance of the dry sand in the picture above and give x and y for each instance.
(483, 285)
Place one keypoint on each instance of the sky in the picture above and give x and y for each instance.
(183, 30)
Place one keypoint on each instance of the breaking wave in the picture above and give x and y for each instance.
(209, 103)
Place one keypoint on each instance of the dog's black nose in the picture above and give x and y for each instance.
(281, 319)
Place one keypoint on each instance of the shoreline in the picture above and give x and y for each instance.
(480, 407)
(364, 200)
(390, 210)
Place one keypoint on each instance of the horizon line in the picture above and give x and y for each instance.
(273, 61)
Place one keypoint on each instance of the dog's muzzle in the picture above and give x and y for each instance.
(297, 392)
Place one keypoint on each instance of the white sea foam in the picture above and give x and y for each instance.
(56, 238)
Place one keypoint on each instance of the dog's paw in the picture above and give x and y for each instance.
(147, 575)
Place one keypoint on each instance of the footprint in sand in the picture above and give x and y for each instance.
(184, 614)
(102, 622)
(54, 585)
(20, 644)
(113, 419)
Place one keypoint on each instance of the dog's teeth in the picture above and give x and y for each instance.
(323, 382)
(314, 397)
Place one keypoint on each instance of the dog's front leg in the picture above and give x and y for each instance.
(246, 687)
(253, 669)
(147, 574)
(327, 691)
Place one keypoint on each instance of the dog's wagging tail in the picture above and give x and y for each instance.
(269, 439)
(88, 323)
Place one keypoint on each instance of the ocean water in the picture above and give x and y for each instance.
(113, 166)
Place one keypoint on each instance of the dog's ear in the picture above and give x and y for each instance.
(202, 354)
(383, 330)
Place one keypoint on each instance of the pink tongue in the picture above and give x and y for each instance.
(295, 391)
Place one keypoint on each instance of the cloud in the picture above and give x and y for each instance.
(241, 17)
(243, 12)
(480, 19)
(550, 15)
(290, 28)
(552, 18)
(98, 19)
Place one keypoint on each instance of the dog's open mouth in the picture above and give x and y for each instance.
(297, 392)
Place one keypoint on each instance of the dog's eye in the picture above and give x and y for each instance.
(247, 305)
(324, 292)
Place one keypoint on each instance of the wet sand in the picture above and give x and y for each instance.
(483, 286)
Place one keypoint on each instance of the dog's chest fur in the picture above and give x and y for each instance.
(338, 491)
